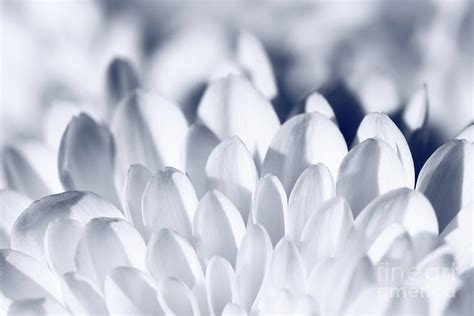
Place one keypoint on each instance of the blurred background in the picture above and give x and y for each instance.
(369, 54)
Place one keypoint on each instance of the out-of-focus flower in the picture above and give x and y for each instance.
(153, 207)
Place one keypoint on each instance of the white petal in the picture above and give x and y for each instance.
(287, 270)
(37, 307)
(200, 141)
(81, 297)
(325, 231)
(313, 187)
(353, 277)
(378, 92)
(121, 81)
(381, 126)
(253, 260)
(220, 284)
(447, 179)
(232, 106)
(130, 291)
(398, 256)
(170, 255)
(29, 229)
(304, 140)
(86, 158)
(232, 309)
(231, 170)
(316, 102)
(370, 169)
(23, 277)
(60, 242)
(176, 298)
(459, 235)
(218, 227)
(467, 133)
(12, 204)
(21, 175)
(415, 113)
(252, 57)
(108, 243)
(142, 126)
(405, 207)
(372, 301)
(270, 207)
(382, 243)
(137, 178)
(169, 201)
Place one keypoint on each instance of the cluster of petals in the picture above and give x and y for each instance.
(139, 212)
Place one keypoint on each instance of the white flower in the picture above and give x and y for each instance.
(235, 214)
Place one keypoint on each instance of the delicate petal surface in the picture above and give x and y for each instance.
(200, 142)
(447, 179)
(467, 133)
(232, 106)
(313, 187)
(304, 140)
(176, 298)
(29, 229)
(37, 307)
(316, 102)
(218, 227)
(369, 170)
(86, 158)
(381, 126)
(270, 207)
(80, 295)
(170, 255)
(220, 284)
(108, 243)
(169, 201)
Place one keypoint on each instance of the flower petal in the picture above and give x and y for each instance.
(170, 255)
(142, 126)
(29, 229)
(405, 207)
(57, 117)
(108, 243)
(21, 175)
(176, 298)
(86, 158)
(461, 302)
(218, 227)
(458, 234)
(316, 102)
(313, 187)
(467, 133)
(121, 81)
(23, 277)
(169, 201)
(60, 242)
(137, 178)
(233, 106)
(304, 140)
(325, 231)
(251, 55)
(381, 126)
(220, 284)
(231, 170)
(270, 207)
(415, 113)
(200, 142)
(408, 305)
(369, 170)
(447, 179)
(37, 307)
(130, 291)
(253, 260)
(12, 204)
(81, 297)
(287, 270)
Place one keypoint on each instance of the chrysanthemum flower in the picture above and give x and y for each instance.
(237, 213)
